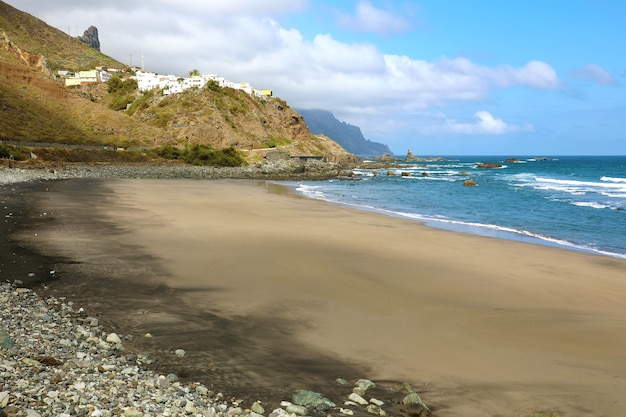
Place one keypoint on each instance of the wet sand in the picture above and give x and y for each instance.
(269, 292)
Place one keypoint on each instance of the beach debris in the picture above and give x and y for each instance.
(179, 352)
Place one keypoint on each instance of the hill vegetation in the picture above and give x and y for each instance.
(211, 125)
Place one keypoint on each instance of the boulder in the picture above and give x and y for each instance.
(469, 183)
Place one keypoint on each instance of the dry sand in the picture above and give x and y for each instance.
(483, 327)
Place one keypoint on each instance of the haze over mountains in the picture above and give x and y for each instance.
(347, 135)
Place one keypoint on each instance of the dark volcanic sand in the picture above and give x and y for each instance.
(244, 358)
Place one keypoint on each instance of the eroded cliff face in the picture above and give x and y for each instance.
(33, 61)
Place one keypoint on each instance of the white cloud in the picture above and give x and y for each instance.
(370, 19)
(594, 73)
(379, 92)
(485, 124)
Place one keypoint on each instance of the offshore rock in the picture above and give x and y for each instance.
(469, 183)
(488, 165)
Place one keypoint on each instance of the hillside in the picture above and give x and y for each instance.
(348, 136)
(35, 105)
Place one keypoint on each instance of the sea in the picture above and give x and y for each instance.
(573, 202)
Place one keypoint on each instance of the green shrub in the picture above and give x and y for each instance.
(17, 153)
(213, 85)
(169, 152)
(275, 142)
(207, 155)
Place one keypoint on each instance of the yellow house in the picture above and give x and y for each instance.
(266, 93)
(83, 77)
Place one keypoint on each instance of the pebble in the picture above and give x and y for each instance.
(88, 380)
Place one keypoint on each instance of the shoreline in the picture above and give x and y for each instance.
(451, 394)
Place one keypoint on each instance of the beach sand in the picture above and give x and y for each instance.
(268, 292)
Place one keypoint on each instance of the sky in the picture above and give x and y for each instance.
(438, 77)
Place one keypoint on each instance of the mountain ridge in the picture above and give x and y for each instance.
(347, 135)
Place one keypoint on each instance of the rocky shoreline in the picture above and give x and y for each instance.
(56, 360)
(279, 170)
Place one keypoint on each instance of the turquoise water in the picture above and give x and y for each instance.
(570, 201)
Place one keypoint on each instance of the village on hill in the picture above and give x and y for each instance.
(168, 84)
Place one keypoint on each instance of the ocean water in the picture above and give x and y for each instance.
(575, 202)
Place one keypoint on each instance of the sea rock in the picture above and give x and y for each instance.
(488, 165)
(469, 183)
(511, 160)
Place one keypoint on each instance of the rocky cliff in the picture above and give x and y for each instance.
(90, 37)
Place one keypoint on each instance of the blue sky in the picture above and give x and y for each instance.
(434, 76)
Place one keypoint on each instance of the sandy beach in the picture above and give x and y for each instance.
(267, 290)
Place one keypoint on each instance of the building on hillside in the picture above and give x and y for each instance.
(85, 77)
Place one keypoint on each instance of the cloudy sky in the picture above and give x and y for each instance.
(439, 77)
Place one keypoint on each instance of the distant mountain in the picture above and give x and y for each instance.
(348, 136)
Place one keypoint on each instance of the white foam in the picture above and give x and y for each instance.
(613, 179)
